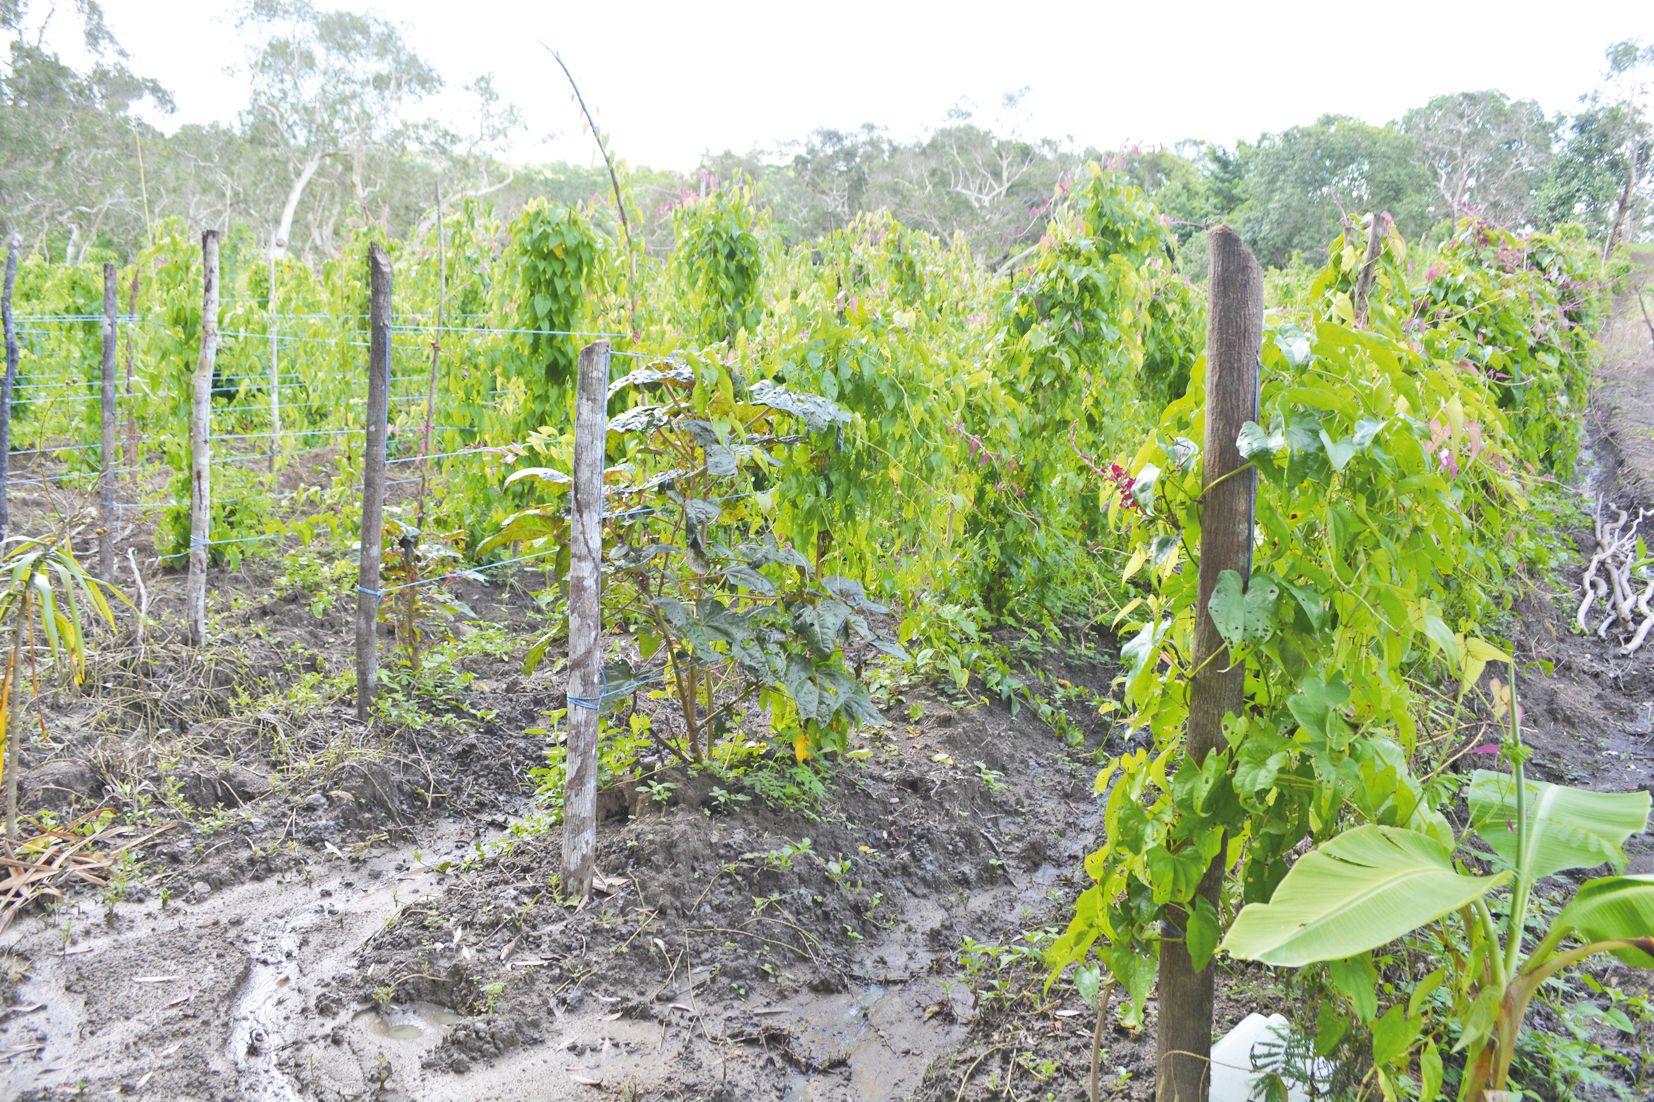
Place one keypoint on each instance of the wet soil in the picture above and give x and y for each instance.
(344, 911)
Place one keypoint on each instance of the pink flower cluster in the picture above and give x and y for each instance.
(1124, 483)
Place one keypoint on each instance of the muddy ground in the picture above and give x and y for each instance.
(333, 911)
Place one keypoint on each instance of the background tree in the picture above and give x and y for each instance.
(1630, 76)
(330, 88)
(1298, 184)
(68, 167)
(1486, 154)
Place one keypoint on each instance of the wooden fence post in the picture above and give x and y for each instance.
(1368, 274)
(1234, 336)
(7, 381)
(585, 690)
(373, 480)
(275, 369)
(107, 455)
(195, 586)
(131, 406)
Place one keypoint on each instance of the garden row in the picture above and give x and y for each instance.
(868, 444)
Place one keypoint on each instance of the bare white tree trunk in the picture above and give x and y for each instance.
(284, 230)
(1627, 195)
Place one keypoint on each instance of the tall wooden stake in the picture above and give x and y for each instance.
(131, 355)
(275, 370)
(195, 586)
(1234, 335)
(7, 382)
(373, 480)
(107, 455)
(1368, 275)
(585, 622)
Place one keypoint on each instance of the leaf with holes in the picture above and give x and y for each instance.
(1244, 617)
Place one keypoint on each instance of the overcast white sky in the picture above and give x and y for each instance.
(670, 81)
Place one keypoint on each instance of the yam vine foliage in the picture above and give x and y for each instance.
(718, 265)
(726, 612)
(550, 255)
(1075, 331)
(1393, 483)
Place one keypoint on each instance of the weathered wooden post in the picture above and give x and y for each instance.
(275, 369)
(131, 355)
(585, 690)
(8, 381)
(1234, 336)
(195, 586)
(373, 480)
(107, 456)
(1368, 275)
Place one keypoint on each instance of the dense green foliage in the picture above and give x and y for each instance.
(1395, 464)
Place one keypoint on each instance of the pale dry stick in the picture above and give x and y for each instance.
(368, 582)
(195, 585)
(614, 182)
(275, 369)
(1611, 544)
(1619, 583)
(970, 1071)
(107, 460)
(131, 356)
(1104, 997)
(436, 359)
(143, 596)
(1642, 631)
(1619, 568)
(1594, 588)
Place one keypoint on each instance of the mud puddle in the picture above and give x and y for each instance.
(202, 998)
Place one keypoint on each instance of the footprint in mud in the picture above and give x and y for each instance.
(407, 1023)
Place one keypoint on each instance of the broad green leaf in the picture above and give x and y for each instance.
(528, 525)
(1392, 1034)
(720, 461)
(1613, 908)
(817, 412)
(1430, 1070)
(1243, 617)
(822, 625)
(1255, 440)
(1318, 706)
(1365, 887)
(1437, 631)
(1567, 828)
(1339, 452)
(1200, 934)
(537, 650)
(1144, 646)
(1365, 430)
(1477, 654)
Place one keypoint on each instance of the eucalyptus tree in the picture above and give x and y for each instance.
(1486, 154)
(332, 92)
(70, 138)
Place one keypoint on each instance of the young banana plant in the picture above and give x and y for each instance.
(1372, 885)
(44, 590)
